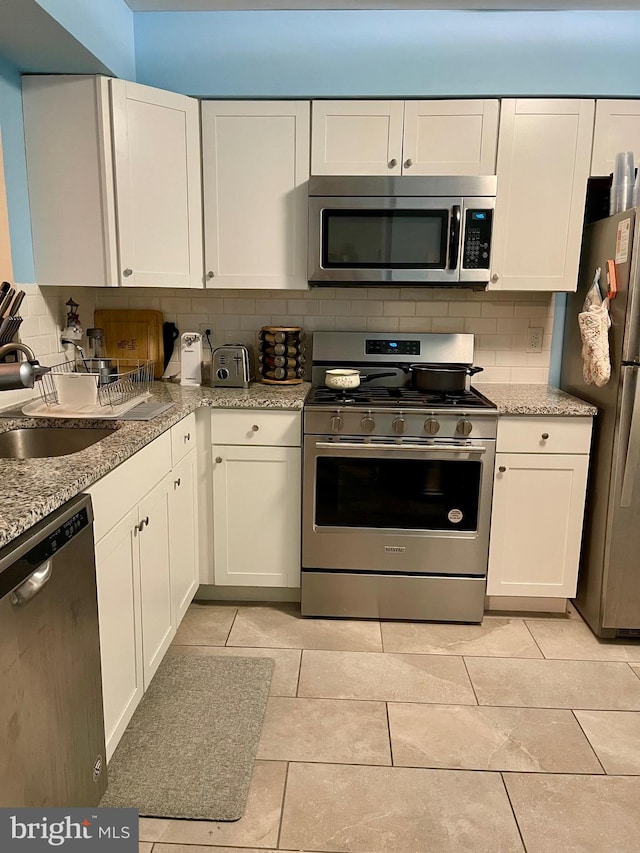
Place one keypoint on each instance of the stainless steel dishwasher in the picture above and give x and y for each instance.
(51, 720)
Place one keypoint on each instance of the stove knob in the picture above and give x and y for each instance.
(464, 427)
(368, 424)
(336, 423)
(399, 425)
(431, 426)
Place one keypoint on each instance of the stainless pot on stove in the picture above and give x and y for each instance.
(441, 378)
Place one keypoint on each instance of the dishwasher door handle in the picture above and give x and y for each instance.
(33, 584)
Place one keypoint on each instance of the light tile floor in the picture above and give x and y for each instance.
(517, 736)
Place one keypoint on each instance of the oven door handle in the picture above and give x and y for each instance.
(427, 448)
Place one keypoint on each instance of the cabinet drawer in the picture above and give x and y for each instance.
(123, 488)
(256, 427)
(544, 435)
(183, 438)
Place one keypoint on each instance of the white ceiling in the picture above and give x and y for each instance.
(252, 5)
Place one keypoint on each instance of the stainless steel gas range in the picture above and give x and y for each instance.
(397, 484)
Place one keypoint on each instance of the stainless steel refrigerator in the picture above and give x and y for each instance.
(609, 580)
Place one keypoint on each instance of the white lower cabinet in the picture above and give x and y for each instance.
(118, 582)
(146, 568)
(256, 498)
(183, 533)
(538, 506)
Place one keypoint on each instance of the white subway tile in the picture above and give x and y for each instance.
(480, 326)
(495, 374)
(535, 310)
(511, 358)
(227, 321)
(529, 375)
(270, 306)
(367, 307)
(335, 309)
(484, 358)
(447, 324)
(383, 293)
(399, 309)
(464, 309)
(414, 324)
(503, 310)
(320, 324)
(417, 294)
(239, 306)
(300, 306)
(351, 324)
(286, 320)
(494, 342)
(188, 322)
(513, 327)
(538, 359)
(254, 321)
(382, 324)
(432, 309)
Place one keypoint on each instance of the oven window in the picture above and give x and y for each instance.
(402, 493)
(384, 239)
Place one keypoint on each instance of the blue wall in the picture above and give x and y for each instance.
(389, 53)
(15, 172)
(104, 27)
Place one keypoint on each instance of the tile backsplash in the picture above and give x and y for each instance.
(499, 321)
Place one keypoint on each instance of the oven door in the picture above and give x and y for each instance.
(379, 240)
(376, 505)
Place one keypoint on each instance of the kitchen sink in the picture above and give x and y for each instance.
(36, 442)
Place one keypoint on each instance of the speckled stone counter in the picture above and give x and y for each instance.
(512, 399)
(32, 488)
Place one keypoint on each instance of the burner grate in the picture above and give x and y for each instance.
(402, 397)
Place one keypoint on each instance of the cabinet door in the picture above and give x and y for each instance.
(183, 534)
(544, 154)
(256, 505)
(255, 159)
(617, 128)
(536, 524)
(6, 269)
(457, 137)
(156, 144)
(118, 581)
(356, 137)
(158, 628)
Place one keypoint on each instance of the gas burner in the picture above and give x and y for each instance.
(403, 397)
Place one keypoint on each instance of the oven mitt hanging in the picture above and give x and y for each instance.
(594, 323)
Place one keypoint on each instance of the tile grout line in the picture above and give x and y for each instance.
(513, 812)
(233, 622)
(466, 669)
(593, 749)
(386, 708)
(297, 693)
(536, 643)
(284, 794)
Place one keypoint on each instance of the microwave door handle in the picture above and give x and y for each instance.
(454, 237)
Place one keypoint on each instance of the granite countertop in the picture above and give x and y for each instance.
(32, 488)
(514, 399)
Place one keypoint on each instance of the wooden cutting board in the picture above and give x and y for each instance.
(132, 333)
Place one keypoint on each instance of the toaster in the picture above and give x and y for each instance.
(231, 366)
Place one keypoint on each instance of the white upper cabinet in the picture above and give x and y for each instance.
(544, 156)
(617, 128)
(156, 144)
(255, 157)
(450, 137)
(114, 183)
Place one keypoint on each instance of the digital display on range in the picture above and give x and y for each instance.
(392, 347)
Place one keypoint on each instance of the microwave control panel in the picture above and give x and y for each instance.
(477, 239)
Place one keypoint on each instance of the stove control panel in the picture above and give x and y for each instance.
(399, 426)
(393, 346)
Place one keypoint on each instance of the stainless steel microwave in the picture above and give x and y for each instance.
(400, 230)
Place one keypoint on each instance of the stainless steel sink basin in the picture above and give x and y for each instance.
(36, 442)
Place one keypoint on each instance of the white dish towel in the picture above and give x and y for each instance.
(594, 322)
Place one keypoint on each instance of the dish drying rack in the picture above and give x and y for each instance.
(115, 390)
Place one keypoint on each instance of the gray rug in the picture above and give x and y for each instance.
(188, 751)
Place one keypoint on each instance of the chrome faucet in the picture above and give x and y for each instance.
(21, 374)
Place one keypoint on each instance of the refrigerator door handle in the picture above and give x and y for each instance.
(632, 461)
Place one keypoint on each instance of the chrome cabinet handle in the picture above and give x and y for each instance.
(33, 584)
(393, 163)
(187, 437)
(218, 459)
(544, 436)
(144, 523)
(502, 469)
(255, 427)
(210, 274)
(177, 483)
(495, 277)
(126, 273)
(408, 163)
